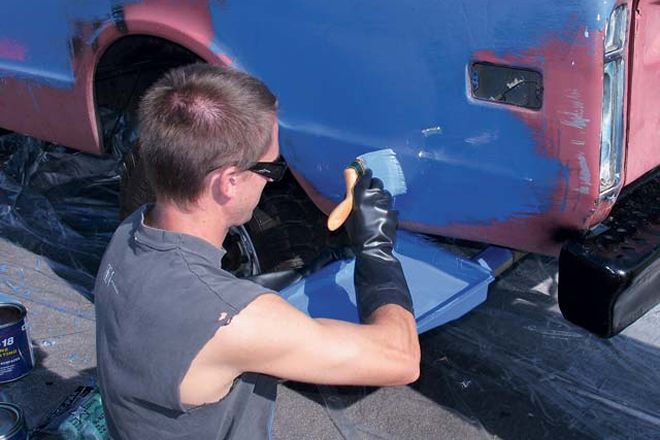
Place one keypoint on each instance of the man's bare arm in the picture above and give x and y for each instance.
(270, 336)
(383, 352)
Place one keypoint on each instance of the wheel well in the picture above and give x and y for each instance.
(287, 228)
(126, 69)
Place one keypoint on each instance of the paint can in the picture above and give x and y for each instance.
(16, 356)
(12, 423)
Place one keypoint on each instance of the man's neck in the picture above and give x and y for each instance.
(196, 221)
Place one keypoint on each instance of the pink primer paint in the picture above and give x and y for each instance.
(12, 50)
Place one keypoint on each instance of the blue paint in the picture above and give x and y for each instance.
(353, 78)
(443, 286)
(45, 31)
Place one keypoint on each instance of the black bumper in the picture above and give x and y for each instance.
(609, 280)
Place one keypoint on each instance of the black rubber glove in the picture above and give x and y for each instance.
(378, 278)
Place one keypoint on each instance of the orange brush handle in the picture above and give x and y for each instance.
(341, 212)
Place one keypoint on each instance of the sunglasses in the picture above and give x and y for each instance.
(273, 171)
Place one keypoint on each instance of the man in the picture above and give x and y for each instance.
(186, 350)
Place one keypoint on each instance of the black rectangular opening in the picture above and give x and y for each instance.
(507, 85)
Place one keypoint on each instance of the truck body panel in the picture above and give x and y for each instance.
(353, 78)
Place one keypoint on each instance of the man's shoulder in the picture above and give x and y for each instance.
(128, 226)
(237, 292)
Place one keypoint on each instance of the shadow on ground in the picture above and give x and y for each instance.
(515, 369)
(42, 391)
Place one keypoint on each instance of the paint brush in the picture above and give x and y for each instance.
(384, 165)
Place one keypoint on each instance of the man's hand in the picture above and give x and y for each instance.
(379, 279)
(372, 223)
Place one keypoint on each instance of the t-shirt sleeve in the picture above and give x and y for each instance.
(200, 309)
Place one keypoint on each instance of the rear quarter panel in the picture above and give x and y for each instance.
(355, 77)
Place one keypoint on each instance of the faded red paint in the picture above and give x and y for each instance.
(190, 26)
(69, 116)
(12, 50)
(644, 117)
(566, 128)
(56, 109)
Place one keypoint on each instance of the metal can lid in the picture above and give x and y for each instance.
(11, 313)
(11, 420)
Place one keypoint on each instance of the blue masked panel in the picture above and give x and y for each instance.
(357, 77)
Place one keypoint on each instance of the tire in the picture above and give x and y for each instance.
(286, 231)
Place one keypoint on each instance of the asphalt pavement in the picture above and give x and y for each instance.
(510, 369)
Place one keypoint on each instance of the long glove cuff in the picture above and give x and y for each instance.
(379, 280)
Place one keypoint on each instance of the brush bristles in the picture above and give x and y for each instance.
(387, 168)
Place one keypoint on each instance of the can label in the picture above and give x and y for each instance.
(16, 356)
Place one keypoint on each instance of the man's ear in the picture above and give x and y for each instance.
(224, 182)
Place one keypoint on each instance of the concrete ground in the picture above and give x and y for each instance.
(510, 369)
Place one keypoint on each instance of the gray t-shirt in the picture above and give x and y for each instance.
(160, 296)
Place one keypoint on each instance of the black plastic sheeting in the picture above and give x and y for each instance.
(60, 203)
(512, 368)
